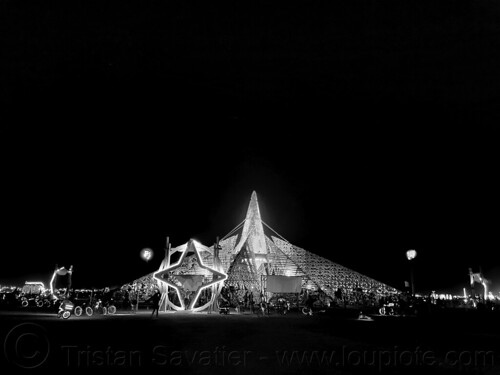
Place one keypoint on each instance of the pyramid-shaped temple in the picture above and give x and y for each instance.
(248, 256)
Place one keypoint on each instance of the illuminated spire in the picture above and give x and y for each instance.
(246, 254)
(253, 231)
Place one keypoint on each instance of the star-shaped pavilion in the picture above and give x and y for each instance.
(217, 277)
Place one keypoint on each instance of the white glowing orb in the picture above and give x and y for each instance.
(411, 254)
(146, 254)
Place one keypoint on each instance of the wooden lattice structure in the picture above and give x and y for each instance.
(247, 255)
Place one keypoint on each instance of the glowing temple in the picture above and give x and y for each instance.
(243, 260)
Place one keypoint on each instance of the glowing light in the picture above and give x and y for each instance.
(33, 287)
(61, 271)
(147, 254)
(35, 283)
(411, 254)
(52, 280)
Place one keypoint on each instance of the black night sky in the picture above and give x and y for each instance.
(366, 130)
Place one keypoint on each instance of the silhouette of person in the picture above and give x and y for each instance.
(309, 304)
(155, 298)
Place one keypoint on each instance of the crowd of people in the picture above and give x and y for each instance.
(241, 300)
(401, 303)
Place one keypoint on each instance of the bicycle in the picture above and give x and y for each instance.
(224, 307)
(388, 309)
(65, 309)
(306, 310)
(283, 307)
(262, 309)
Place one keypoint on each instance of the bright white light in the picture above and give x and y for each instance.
(52, 280)
(35, 283)
(146, 254)
(411, 254)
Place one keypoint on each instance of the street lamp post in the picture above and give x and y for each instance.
(137, 298)
(410, 255)
(146, 255)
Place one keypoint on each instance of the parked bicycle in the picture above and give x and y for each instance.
(66, 308)
(282, 306)
(389, 308)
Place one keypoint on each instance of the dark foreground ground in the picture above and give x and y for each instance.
(334, 342)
